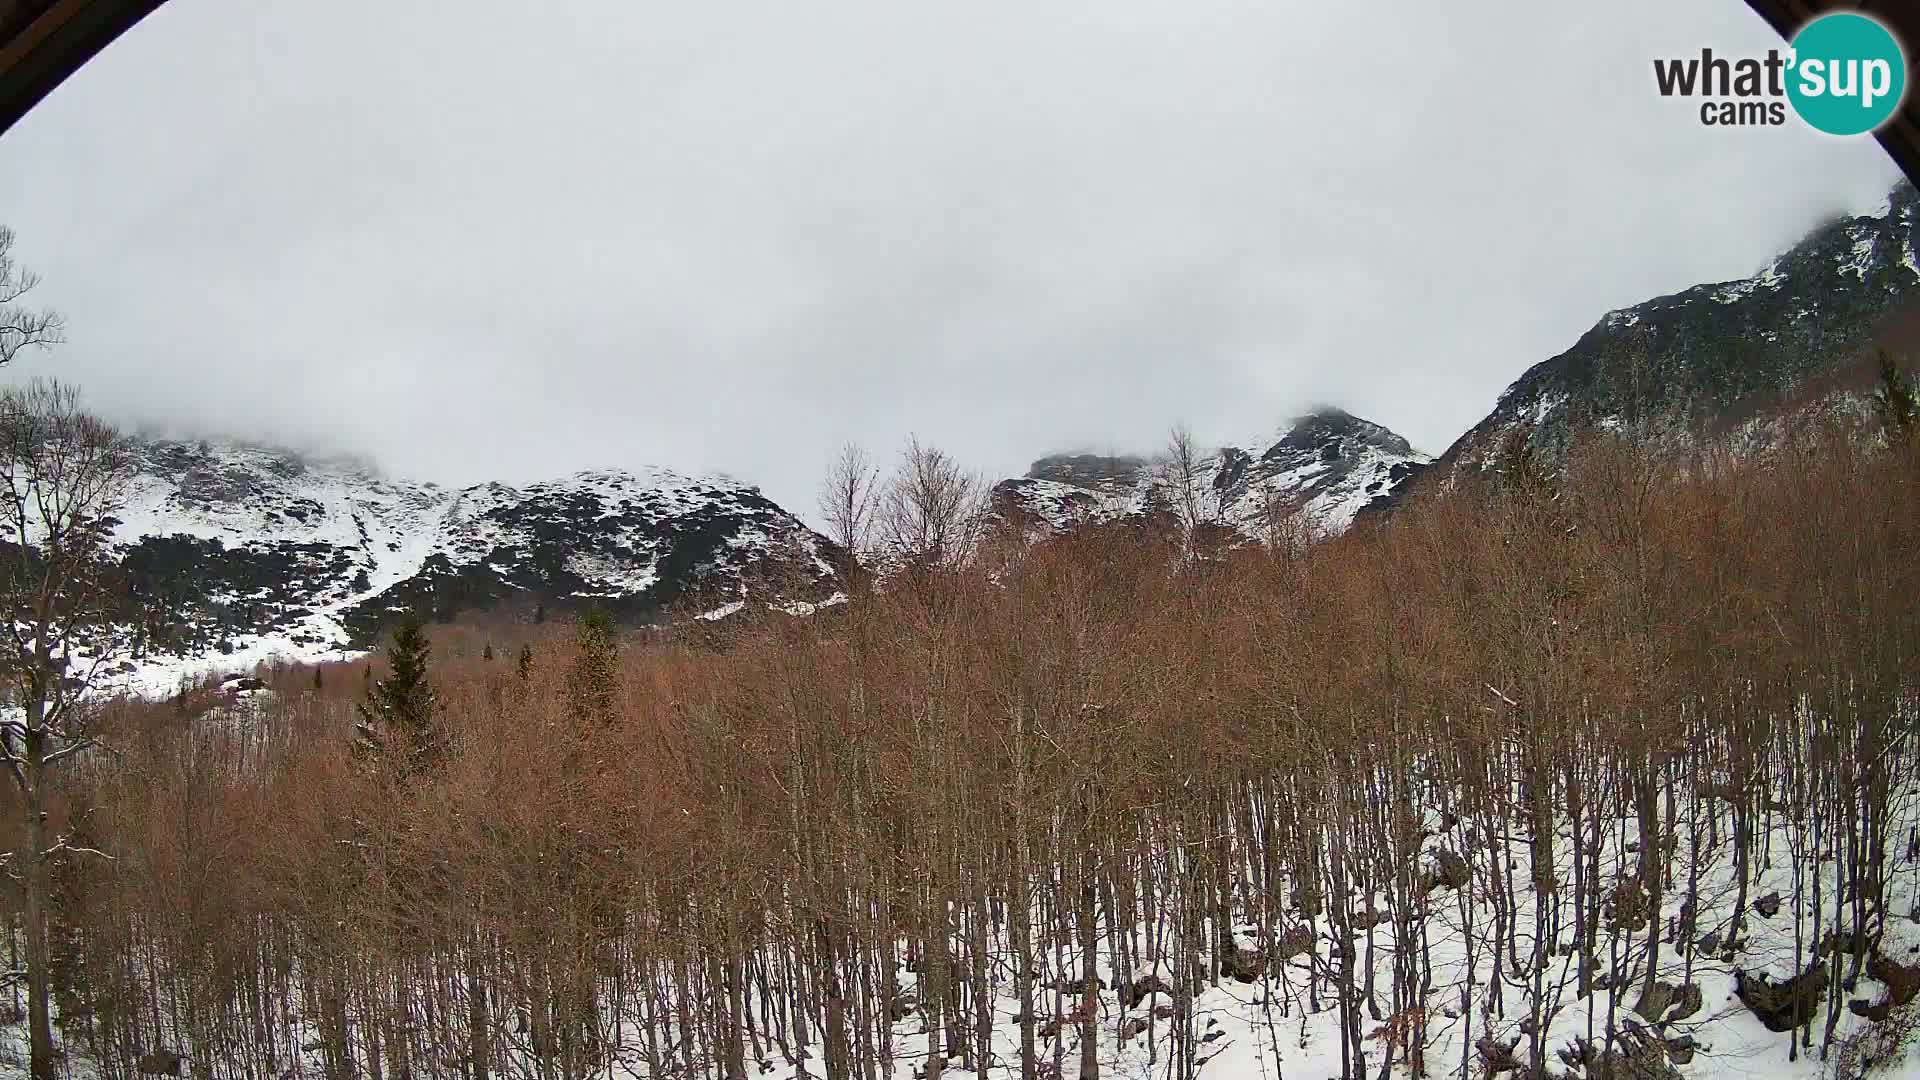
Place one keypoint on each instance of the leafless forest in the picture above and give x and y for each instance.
(1534, 758)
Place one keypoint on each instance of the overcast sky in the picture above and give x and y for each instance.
(499, 240)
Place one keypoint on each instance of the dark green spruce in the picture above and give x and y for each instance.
(1896, 400)
(591, 686)
(399, 720)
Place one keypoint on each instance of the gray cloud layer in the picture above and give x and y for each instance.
(500, 240)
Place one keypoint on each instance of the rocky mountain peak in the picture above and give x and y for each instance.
(1334, 432)
(1324, 465)
(1088, 470)
(233, 552)
(1719, 352)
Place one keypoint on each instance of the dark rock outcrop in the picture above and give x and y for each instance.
(1718, 359)
(226, 548)
(1782, 1006)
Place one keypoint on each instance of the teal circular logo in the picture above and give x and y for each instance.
(1847, 74)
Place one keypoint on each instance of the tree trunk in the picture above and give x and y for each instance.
(1089, 973)
(837, 1049)
(476, 1011)
(33, 874)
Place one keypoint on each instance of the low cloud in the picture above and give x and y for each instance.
(732, 236)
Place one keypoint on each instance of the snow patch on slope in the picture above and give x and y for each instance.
(1323, 467)
(329, 542)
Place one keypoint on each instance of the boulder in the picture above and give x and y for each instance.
(1242, 964)
(1496, 1055)
(1296, 941)
(1655, 999)
(1445, 869)
(1637, 1057)
(1138, 990)
(1578, 1054)
(1689, 1001)
(1903, 980)
(1368, 918)
(1627, 906)
(1782, 1006)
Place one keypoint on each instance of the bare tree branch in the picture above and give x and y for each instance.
(848, 498)
(932, 511)
(22, 327)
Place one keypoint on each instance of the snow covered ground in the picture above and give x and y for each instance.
(1261, 1022)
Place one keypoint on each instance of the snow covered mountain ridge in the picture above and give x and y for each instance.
(1732, 355)
(1324, 467)
(233, 553)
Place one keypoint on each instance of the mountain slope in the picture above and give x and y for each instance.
(1724, 353)
(234, 551)
(1324, 466)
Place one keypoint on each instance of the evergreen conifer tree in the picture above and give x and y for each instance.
(487, 653)
(399, 715)
(1522, 474)
(525, 669)
(595, 663)
(1898, 404)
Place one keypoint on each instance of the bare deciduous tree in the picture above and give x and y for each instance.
(1285, 528)
(1357, 779)
(62, 476)
(21, 327)
(849, 497)
(932, 510)
(1180, 470)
